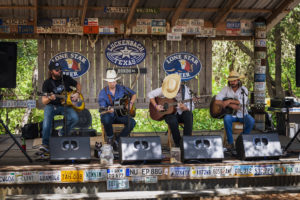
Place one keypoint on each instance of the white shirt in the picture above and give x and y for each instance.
(229, 93)
(158, 93)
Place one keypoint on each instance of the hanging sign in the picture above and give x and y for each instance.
(73, 64)
(125, 52)
(184, 64)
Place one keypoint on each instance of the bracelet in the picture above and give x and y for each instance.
(155, 106)
(131, 103)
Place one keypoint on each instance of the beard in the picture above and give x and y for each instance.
(57, 76)
(234, 85)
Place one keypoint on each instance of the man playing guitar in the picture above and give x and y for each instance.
(106, 99)
(56, 84)
(171, 89)
(234, 91)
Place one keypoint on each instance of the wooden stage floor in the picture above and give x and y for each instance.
(41, 177)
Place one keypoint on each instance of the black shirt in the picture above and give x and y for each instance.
(55, 86)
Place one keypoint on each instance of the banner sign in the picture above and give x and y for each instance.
(125, 52)
(73, 64)
(184, 64)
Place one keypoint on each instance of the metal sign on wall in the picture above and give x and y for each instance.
(185, 64)
(73, 64)
(125, 52)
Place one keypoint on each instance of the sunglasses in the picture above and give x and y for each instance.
(57, 70)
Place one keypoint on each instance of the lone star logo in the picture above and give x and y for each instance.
(125, 52)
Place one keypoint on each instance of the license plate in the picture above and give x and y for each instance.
(72, 176)
(115, 173)
(117, 184)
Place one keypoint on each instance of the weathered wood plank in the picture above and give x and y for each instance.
(41, 62)
(83, 79)
(148, 45)
(91, 75)
(98, 68)
(162, 57)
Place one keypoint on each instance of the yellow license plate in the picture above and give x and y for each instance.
(72, 176)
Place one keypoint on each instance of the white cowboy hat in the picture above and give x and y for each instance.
(111, 76)
(233, 75)
(171, 85)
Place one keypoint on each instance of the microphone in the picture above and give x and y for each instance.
(243, 92)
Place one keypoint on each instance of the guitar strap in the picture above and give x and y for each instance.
(182, 91)
(109, 97)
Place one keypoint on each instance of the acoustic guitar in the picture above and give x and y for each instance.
(120, 107)
(217, 111)
(78, 105)
(169, 106)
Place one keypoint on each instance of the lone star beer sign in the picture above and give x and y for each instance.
(184, 64)
(73, 64)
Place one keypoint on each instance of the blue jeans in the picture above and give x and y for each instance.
(108, 119)
(228, 119)
(49, 112)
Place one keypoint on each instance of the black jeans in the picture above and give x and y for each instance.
(173, 120)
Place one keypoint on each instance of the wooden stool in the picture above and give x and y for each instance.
(170, 135)
(237, 128)
(119, 126)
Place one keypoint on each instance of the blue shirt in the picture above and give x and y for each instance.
(103, 99)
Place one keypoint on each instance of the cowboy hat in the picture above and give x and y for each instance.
(170, 85)
(233, 75)
(111, 76)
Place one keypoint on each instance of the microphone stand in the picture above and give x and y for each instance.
(243, 99)
(65, 104)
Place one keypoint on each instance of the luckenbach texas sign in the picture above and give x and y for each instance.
(125, 52)
(73, 64)
(184, 64)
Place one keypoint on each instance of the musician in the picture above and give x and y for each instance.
(172, 88)
(56, 84)
(106, 98)
(235, 91)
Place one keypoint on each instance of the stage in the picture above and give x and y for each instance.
(19, 176)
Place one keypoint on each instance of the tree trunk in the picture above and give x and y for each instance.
(28, 111)
(278, 88)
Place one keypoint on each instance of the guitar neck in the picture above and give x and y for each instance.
(175, 103)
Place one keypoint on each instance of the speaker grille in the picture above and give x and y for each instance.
(8, 60)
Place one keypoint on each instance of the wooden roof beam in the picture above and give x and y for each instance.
(278, 14)
(132, 11)
(178, 11)
(224, 12)
(85, 5)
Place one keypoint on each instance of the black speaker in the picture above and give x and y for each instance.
(298, 65)
(258, 146)
(8, 60)
(202, 147)
(72, 149)
(140, 149)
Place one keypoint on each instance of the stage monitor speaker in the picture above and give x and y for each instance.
(8, 60)
(202, 147)
(258, 146)
(298, 65)
(140, 149)
(70, 149)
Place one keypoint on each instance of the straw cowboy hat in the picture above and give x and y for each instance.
(233, 75)
(111, 76)
(171, 85)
